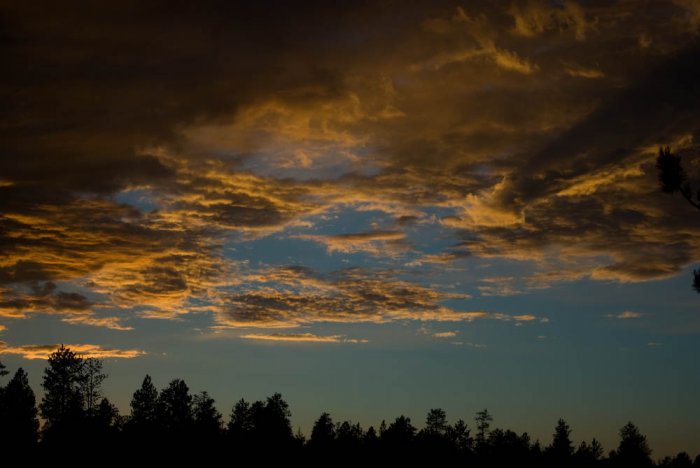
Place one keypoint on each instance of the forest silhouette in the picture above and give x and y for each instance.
(80, 425)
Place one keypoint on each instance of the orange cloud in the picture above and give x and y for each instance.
(536, 17)
(374, 243)
(84, 350)
(113, 323)
(580, 72)
(447, 334)
(291, 297)
(423, 134)
(301, 338)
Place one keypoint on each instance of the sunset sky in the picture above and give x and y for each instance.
(374, 208)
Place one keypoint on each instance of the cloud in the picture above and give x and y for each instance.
(479, 30)
(467, 343)
(112, 323)
(628, 314)
(292, 296)
(42, 298)
(128, 203)
(446, 334)
(301, 338)
(441, 258)
(374, 242)
(84, 350)
(498, 286)
(580, 72)
(537, 17)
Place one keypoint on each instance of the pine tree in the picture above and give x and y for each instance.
(144, 405)
(175, 407)
(483, 423)
(459, 435)
(207, 419)
(633, 451)
(323, 432)
(62, 404)
(91, 378)
(436, 422)
(240, 424)
(19, 425)
(562, 449)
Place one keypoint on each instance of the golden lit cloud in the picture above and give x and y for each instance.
(580, 72)
(533, 17)
(84, 350)
(498, 286)
(301, 338)
(408, 138)
(113, 323)
(374, 243)
(447, 334)
(292, 297)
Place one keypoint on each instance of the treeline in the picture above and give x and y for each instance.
(79, 424)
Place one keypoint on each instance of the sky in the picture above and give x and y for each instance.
(374, 208)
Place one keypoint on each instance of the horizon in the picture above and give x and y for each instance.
(612, 436)
(371, 208)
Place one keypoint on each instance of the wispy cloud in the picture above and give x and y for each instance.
(291, 297)
(580, 72)
(302, 338)
(445, 334)
(467, 343)
(375, 242)
(42, 351)
(626, 315)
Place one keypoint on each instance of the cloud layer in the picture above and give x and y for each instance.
(43, 351)
(139, 151)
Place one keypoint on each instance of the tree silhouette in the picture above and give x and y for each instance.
(62, 404)
(144, 406)
(175, 408)
(506, 448)
(633, 450)
(207, 420)
(400, 433)
(173, 425)
(272, 422)
(588, 455)
(561, 450)
(483, 423)
(3, 370)
(103, 424)
(254, 428)
(436, 422)
(91, 378)
(349, 439)
(19, 426)
(672, 178)
(240, 425)
(459, 435)
(681, 460)
(323, 433)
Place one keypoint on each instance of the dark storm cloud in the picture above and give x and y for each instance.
(661, 104)
(533, 125)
